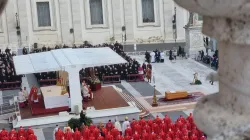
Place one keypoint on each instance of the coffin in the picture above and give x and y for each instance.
(172, 95)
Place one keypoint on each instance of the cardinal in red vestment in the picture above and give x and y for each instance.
(185, 137)
(193, 137)
(21, 131)
(150, 122)
(168, 138)
(132, 124)
(13, 133)
(170, 133)
(162, 134)
(119, 137)
(68, 135)
(145, 135)
(155, 128)
(176, 138)
(96, 132)
(190, 118)
(127, 137)
(142, 122)
(13, 138)
(138, 128)
(77, 134)
(100, 137)
(91, 128)
(157, 120)
(178, 134)
(86, 133)
(203, 138)
(167, 120)
(104, 131)
(3, 133)
(147, 128)
(109, 125)
(109, 137)
(152, 136)
(128, 131)
(4, 138)
(59, 134)
(91, 137)
(29, 131)
(115, 132)
(32, 137)
(136, 136)
(22, 138)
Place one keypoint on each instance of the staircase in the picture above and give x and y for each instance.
(129, 98)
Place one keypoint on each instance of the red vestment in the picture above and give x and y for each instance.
(100, 137)
(21, 132)
(145, 136)
(203, 138)
(142, 122)
(91, 137)
(177, 138)
(193, 137)
(68, 135)
(128, 132)
(32, 137)
(150, 122)
(109, 137)
(138, 128)
(22, 138)
(105, 131)
(178, 134)
(148, 129)
(96, 132)
(59, 134)
(155, 128)
(167, 120)
(13, 138)
(127, 138)
(136, 136)
(158, 120)
(86, 133)
(3, 133)
(164, 127)
(91, 128)
(115, 132)
(162, 134)
(185, 137)
(13, 133)
(119, 137)
(109, 126)
(168, 138)
(170, 133)
(195, 132)
(29, 131)
(77, 135)
(172, 126)
(4, 138)
(152, 136)
(133, 124)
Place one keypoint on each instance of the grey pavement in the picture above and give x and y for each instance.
(144, 88)
(151, 47)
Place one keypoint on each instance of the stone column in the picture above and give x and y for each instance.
(226, 115)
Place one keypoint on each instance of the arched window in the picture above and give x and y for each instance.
(148, 14)
(96, 12)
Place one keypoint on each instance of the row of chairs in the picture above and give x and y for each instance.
(10, 85)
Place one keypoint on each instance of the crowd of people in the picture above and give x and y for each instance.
(7, 70)
(108, 70)
(207, 59)
(157, 129)
(21, 134)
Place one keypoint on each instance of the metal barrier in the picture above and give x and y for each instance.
(8, 104)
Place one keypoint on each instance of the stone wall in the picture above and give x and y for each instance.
(73, 14)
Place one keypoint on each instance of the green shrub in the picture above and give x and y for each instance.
(74, 123)
(84, 119)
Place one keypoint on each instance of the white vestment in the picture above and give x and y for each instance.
(85, 91)
(152, 54)
(118, 126)
(25, 92)
(162, 55)
(125, 126)
(21, 97)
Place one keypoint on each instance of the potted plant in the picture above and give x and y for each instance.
(95, 83)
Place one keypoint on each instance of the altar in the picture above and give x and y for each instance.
(52, 97)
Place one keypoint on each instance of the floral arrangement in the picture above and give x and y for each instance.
(94, 80)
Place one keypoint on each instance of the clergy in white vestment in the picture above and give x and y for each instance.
(26, 94)
(162, 56)
(21, 97)
(152, 54)
(118, 125)
(125, 125)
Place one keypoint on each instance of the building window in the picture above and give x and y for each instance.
(148, 14)
(200, 18)
(96, 12)
(43, 14)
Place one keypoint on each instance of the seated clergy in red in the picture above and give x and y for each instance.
(96, 133)
(150, 122)
(100, 137)
(13, 133)
(109, 125)
(4, 138)
(21, 131)
(127, 137)
(152, 136)
(163, 126)
(138, 128)
(132, 124)
(168, 138)
(170, 133)
(91, 128)
(77, 134)
(157, 120)
(155, 128)
(91, 137)
(128, 131)
(3, 133)
(29, 131)
(32, 137)
(190, 118)
(193, 137)
(142, 122)
(86, 133)
(185, 137)
(178, 133)
(109, 137)
(68, 135)
(162, 134)
(13, 138)
(145, 135)
(22, 138)
(136, 136)
(59, 134)
(115, 132)
(167, 120)
(147, 128)
(119, 137)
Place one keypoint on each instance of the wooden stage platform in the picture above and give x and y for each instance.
(105, 98)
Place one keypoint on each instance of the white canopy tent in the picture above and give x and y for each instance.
(70, 60)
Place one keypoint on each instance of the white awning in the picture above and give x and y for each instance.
(56, 60)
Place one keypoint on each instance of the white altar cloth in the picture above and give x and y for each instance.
(52, 97)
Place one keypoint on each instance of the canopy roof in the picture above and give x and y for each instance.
(56, 60)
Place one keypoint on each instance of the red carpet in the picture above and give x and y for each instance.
(39, 108)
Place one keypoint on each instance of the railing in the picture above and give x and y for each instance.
(10, 85)
(46, 82)
(111, 79)
(135, 77)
